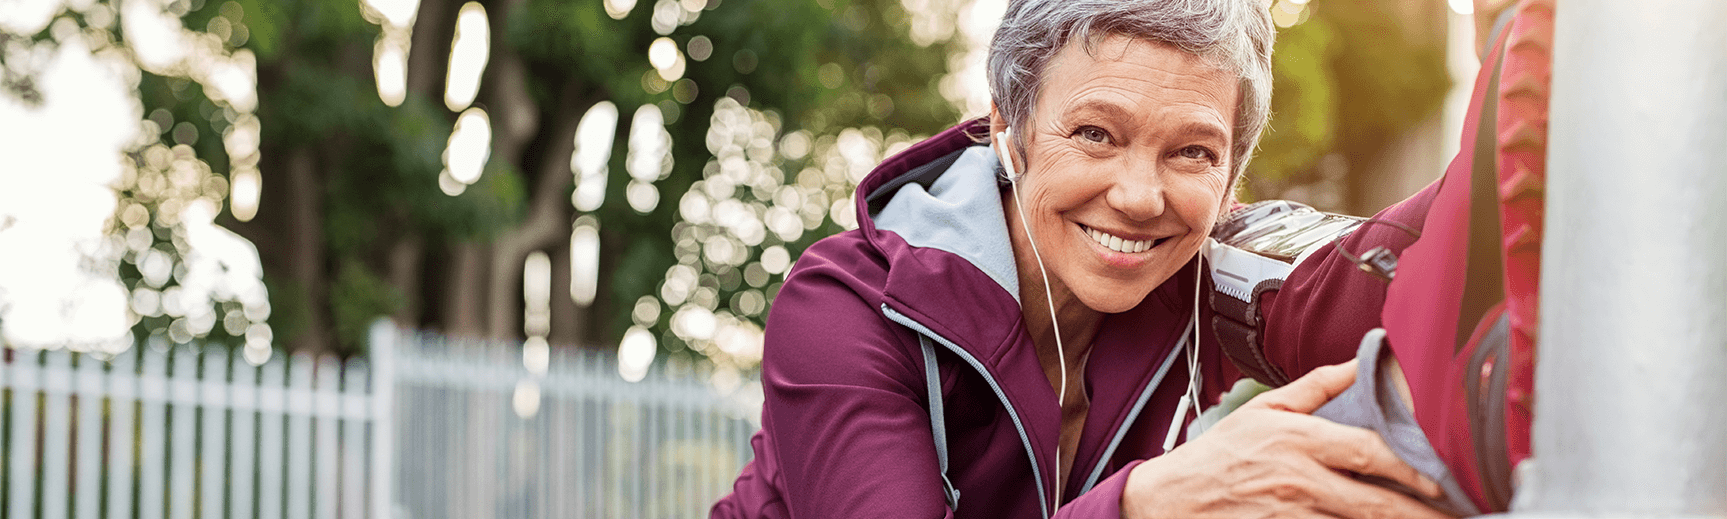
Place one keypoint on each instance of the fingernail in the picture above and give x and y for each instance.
(1432, 489)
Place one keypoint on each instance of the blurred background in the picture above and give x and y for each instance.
(276, 174)
(609, 188)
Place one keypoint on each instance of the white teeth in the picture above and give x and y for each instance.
(1117, 244)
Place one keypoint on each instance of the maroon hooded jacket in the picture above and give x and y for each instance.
(846, 430)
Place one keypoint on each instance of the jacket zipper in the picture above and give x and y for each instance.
(1133, 414)
(1025, 440)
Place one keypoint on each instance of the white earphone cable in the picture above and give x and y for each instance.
(1049, 297)
(1190, 397)
(1195, 378)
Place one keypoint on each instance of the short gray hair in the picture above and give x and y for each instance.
(1235, 35)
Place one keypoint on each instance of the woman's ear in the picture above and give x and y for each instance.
(996, 123)
(1001, 142)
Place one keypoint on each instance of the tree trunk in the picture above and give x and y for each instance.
(465, 281)
(545, 225)
(429, 52)
(515, 121)
(407, 257)
(548, 219)
(515, 116)
(304, 240)
(566, 321)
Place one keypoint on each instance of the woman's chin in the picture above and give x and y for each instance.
(1114, 302)
(1114, 295)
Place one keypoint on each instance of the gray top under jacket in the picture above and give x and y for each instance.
(1372, 403)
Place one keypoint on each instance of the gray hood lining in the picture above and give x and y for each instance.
(959, 212)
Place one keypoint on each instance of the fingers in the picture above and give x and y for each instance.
(1309, 392)
(1354, 499)
(1363, 452)
(1388, 365)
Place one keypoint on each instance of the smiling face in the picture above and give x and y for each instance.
(1125, 169)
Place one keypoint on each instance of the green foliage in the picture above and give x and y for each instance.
(183, 101)
(290, 307)
(888, 81)
(638, 273)
(1304, 103)
(313, 104)
(264, 21)
(1391, 81)
(1347, 81)
(767, 47)
(561, 35)
(357, 297)
(319, 30)
(492, 204)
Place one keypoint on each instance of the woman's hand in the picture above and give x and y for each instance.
(1270, 458)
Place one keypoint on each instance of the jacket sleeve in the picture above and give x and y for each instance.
(1328, 303)
(843, 413)
(1103, 501)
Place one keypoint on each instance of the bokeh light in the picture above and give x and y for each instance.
(700, 48)
(470, 146)
(636, 354)
(390, 67)
(536, 355)
(618, 9)
(537, 295)
(584, 260)
(241, 141)
(526, 399)
(1289, 13)
(649, 158)
(398, 13)
(664, 56)
(593, 150)
(762, 191)
(469, 51)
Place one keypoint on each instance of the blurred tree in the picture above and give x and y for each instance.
(722, 137)
(150, 114)
(355, 222)
(1352, 77)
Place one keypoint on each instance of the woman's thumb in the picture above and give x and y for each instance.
(1309, 392)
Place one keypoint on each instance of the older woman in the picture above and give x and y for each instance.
(1009, 331)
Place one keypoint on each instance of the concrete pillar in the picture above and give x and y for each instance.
(1631, 411)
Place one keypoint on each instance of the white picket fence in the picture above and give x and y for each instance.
(432, 428)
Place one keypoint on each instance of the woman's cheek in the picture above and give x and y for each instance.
(1203, 201)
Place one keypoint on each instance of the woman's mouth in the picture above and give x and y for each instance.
(1117, 244)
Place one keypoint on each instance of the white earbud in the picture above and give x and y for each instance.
(1000, 146)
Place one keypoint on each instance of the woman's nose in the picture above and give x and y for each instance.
(1138, 193)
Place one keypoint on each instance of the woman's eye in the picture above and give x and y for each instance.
(1092, 133)
(1198, 153)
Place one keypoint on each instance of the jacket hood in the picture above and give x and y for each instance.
(934, 214)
